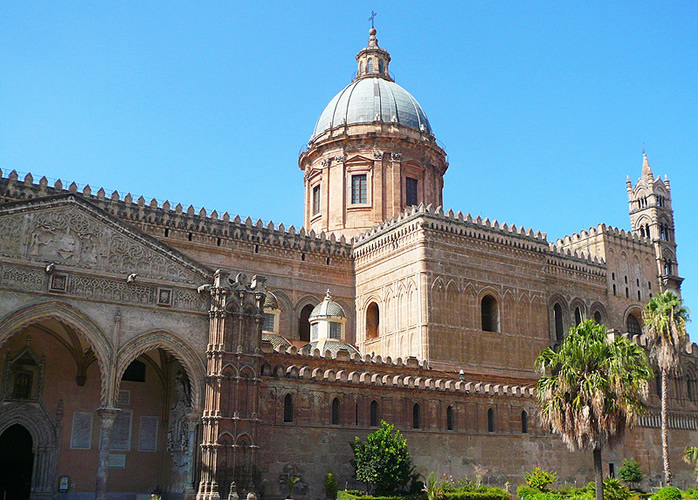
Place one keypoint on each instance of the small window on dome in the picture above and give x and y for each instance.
(316, 199)
(313, 332)
(358, 189)
(380, 66)
(335, 330)
(369, 67)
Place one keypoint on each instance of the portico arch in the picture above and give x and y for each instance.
(72, 318)
(161, 339)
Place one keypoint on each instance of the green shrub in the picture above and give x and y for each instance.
(615, 490)
(539, 478)
(668, 493)
(630, 472)
(524, 491)
(482, 493)
(331, 486)
(382, 461)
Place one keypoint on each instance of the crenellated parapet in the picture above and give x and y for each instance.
(373, 370)
(434, 218)
(389, 234)
(163, 220)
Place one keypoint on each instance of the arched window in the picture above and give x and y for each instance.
(380, 66)
(577, 316)
(597, 317)
(691, 386)
(374, 414)
(633, 325)
(372, 321)
(490, 420)
(415, 416)
(369, 67)
(288, 408)
(490, 314)
(304, 324)
(559, 328)
(335, 411)
(524, 422)
(449, 418)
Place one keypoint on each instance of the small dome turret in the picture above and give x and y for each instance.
(327, 320)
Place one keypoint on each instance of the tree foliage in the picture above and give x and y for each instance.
(595, 390)
(630, 472)
(665, 320)
(540, 479)
(382, 461)
(690, 456)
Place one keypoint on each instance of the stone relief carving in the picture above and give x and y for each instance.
(378, 155)
(178, 432)
(66, 235)
(396, 156)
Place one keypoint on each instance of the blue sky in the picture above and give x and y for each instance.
(543, 107)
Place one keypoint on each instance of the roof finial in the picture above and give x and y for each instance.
(371, 18)
(328, 295)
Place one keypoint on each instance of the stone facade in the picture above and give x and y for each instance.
(147, 345)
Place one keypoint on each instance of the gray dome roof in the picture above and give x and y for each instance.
(270, 301)
(331, 345)
(368, 100)
(276, 340)
(327, 308)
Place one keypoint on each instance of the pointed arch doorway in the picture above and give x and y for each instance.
(16, 462)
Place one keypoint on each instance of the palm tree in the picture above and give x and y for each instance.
(595, 390)
(665, 320)
(690, 456)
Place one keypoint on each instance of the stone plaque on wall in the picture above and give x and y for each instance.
(81, 437)
(116, 461)
(148, 434)
(121, 432)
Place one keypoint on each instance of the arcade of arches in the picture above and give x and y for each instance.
(52, 412)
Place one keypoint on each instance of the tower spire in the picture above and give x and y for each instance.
(646, 169)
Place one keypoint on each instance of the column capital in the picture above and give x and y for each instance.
(107, 412)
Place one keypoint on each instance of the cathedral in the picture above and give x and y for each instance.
(149, 347)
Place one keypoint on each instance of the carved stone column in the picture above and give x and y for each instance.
(235, 331)
(107, 416)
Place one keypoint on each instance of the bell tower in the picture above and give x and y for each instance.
(372, 153)
(652, 217)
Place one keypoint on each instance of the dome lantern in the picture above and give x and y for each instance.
(373, 61)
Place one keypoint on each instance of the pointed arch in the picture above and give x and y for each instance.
(73, 318)
(189, 359)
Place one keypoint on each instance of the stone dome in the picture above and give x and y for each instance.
(270, 301)
(369, 100)
(328, 308)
